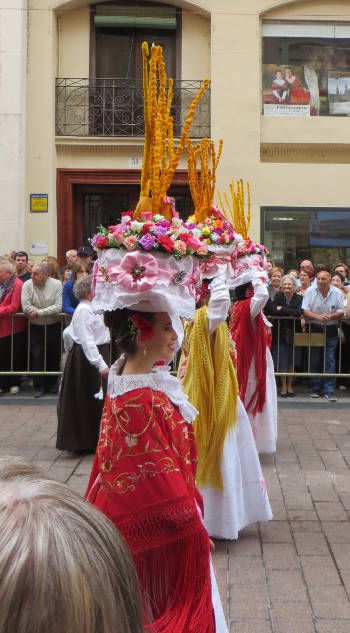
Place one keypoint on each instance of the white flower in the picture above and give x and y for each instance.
(158, 217)
(197, 232)
(177, 222)
(126, 219)
(136, 226)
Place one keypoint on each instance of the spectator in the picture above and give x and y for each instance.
(287, 304)
(308, 266)
(269, 264)
(10, 256)
(323, 304)
(85, 255)
(275, 276)
(42, 302)
(53, 267)
(71, 258)
(10, 303)
(66, 274)
(63, 565)
(305, 282)
(21, 260)
(338, 281)
(30, 265)
(70, 301)
(78, 410)
(343, 270)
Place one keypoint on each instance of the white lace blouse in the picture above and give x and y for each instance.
(158, 379)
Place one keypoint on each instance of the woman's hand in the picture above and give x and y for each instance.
(105, 373)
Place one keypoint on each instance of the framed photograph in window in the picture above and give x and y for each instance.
(285, 91)
(339, 93)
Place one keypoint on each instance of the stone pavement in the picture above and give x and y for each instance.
(291, 575)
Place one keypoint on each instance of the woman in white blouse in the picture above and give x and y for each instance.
(79, 410)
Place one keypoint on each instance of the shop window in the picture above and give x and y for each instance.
(294, 234)
(305, 68)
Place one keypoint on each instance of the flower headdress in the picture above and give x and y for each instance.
(151, 233)
(145, 262)
(160, 159)
(249, 257)
(208, 222)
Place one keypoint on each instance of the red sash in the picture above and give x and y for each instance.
(249, 342)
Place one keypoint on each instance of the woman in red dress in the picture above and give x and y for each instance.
(143, 478)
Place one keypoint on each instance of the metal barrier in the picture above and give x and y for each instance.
(300, 340)
(304, 339)
(24, 357)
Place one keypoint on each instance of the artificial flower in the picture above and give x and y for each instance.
(147, 241)
(166, 243)
(143, 325)
(130, 242)
(136, 226)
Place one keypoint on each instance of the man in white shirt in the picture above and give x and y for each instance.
(42, 302)
(323, 305)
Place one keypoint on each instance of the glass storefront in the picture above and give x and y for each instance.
(292, 234)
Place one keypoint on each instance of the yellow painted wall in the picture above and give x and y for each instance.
(73, 43)
(231, 52)
(195, 59)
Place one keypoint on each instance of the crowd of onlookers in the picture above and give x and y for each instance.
(41, 290)
(319, 301)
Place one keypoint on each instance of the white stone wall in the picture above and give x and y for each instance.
(13, 207)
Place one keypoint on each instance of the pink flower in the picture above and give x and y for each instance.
(130, 243)
(180, 247)
(118, 237)
(138, 272)
(193, 243)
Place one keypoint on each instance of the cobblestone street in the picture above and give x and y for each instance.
(291, 575)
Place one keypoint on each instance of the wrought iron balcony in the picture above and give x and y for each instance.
(114, 107)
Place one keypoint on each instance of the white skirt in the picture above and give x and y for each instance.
(264, 424)
(244, 499)
(220, 621)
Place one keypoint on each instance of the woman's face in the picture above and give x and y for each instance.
(268, 266)
(279, 75)
(164, 338)
(288, 287)
(341, 270)
(276, 279)
(337, 282)
(304, 278)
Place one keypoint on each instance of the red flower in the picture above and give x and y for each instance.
(166, 243)
(111, 229)
(147, 227)
(222, 239)
(185, 237)
(102, 242)
(144, 326)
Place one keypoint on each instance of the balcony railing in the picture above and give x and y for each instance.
(114, 107)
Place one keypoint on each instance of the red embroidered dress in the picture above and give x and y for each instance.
(143, 479)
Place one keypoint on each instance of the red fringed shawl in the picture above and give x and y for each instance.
(143, 479)
(249, 342)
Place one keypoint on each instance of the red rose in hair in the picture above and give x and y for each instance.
(166, 243)
(144, 326)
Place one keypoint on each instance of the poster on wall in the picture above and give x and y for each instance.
(339, 93)
(285, 91)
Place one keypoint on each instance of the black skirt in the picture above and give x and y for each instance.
(78, 411)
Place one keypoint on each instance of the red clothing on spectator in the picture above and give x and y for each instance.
(11, 304)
